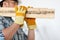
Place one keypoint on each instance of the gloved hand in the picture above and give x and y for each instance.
(20, 14)
(30, 22)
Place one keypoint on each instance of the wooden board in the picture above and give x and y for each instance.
(31, 12)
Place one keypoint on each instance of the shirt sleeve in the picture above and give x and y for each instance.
(1, 28)
(1, 35)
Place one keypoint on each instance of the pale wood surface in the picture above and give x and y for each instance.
(31, 12)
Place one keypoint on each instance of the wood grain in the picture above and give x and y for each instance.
(31, 12)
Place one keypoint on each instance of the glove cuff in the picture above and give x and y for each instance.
(19, 20)
(32, 27)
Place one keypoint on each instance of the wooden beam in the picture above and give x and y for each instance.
(31, 12)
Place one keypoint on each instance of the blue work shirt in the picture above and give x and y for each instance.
(5, 22)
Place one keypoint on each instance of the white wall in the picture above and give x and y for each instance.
(47, 29)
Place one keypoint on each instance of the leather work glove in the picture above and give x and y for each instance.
(20, 14)
(30, 22)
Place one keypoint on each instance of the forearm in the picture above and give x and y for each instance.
(31, 35)
(10, 31)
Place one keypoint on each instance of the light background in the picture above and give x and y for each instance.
(47, 29)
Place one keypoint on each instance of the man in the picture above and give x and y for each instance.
(10, 30)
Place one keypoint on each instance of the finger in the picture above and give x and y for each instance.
(22, 9)
(30, 7)
(16, 8)
(19, 8)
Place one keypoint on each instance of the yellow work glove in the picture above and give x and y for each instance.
(30, 22)
(20, 14)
